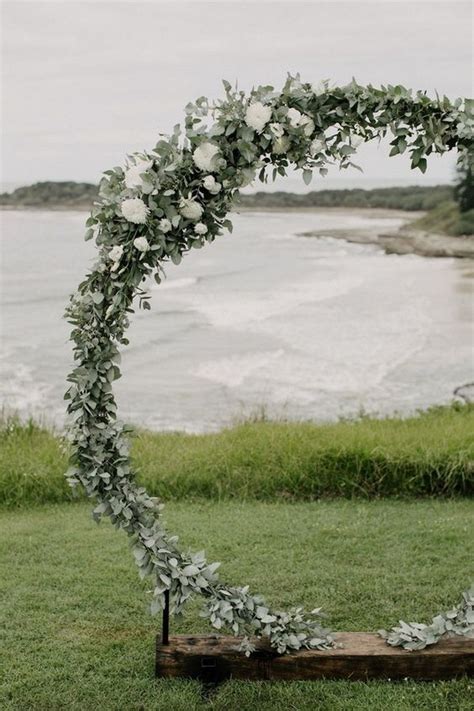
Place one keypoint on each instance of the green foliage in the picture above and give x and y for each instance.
(427, 455)
(446, 219)
(76, 636)
(464, 188)
(163, 204)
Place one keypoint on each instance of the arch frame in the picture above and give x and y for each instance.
(175, 198)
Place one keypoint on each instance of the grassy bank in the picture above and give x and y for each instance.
(446, 219)
(76, 633)
(431, 454)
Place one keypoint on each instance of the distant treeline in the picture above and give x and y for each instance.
(52, 194)
(416, 197)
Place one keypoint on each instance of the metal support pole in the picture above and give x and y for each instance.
(165, 630)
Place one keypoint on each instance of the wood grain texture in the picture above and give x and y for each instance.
(213, 658)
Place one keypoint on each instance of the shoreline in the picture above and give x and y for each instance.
(404, 241)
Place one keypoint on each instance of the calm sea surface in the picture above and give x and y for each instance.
(307, 328)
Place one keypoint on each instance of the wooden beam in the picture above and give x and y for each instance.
(214, 658)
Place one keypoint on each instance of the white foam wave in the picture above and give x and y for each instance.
(232, 371)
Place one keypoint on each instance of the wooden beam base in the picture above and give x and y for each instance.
(214, 658)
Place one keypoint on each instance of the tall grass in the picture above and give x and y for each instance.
(430, 454)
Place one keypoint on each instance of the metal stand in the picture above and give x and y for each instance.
(165, 630)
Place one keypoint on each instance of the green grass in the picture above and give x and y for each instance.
(431, 454)
(446, 219)
(76, 633)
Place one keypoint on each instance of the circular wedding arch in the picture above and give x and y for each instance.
(175, 198)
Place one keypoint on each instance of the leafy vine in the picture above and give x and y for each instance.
(176, 198)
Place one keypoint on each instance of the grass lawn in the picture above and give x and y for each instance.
(428, 455)
(76, 633)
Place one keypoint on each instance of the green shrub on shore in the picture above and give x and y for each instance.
(431, 454)
(446, 219)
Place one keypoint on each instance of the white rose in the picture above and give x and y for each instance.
(257, 116)
(190, 209)
(294, 117)
(135, 210)
(211, 185)
(205, 156)
(281, 145)
(133, 174)
(317, 146)
(116, 253)
(308, 125)
(141, 243)
(277, 129)
(200, 228)
(164, 225)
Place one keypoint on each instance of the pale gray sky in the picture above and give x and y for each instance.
(84, 83)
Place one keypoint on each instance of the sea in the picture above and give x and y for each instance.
(264, 322)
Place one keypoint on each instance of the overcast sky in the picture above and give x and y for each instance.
(84, 83)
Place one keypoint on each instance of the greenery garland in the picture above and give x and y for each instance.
(175, 198)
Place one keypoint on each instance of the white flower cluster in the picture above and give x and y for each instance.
(190, 209)
(141, 243)
(133, 175)
(165, 225)
(115, 255)
(258, 115)
(205, 156)
(299, 120)
(134, 210)
(211, 184)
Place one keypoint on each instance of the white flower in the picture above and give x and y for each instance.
(294, 117)
(135, 210)
(133, 177)
(356, 141)
(205, 156)
(258, 115)
(277, 129)
(200, 228)
(281, 145)
(211, 185)
(190, 209)
(116, 253)
(308, 125)
(299, 120)
(317, 146)
(141, 243)
(164, 225)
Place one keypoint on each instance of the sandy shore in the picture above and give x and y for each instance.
(404, 241)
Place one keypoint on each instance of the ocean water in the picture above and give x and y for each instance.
(306, 328)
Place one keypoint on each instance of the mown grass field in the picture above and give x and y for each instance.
(428, 455)
(76, 633)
